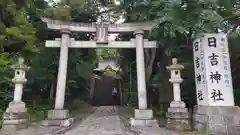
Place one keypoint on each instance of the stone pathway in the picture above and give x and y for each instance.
(109, 120)
(106, 120)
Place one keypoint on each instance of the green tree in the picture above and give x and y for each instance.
(17, 38)
(178, 23)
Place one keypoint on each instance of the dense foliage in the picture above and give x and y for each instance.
(23, 34)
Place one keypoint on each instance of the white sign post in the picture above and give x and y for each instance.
(212, 71)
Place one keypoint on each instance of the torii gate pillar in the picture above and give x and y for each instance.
(60, 116)
(142, 115)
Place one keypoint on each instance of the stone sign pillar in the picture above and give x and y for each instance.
(142, 116)
(60, 116)
(177, 116)
(15, 117)
(215, 112)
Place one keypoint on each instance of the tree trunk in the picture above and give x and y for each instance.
(165, 90)
(52, 90)
(150, 55)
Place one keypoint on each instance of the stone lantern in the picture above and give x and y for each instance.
(175, 70)
(15, 117)
(178, 116)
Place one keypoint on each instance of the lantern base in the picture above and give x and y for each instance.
(178, 119)
(177, 104)
(14, 125)
(15, 117)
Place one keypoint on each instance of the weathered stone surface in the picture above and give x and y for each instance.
(17, 121)
(178, 119)
(143, 117)
(15, 117)
(58, 114)
(91, 27)
(68, 122)
(16, 107)
(143, 114)
(216, 120)
(178, 113)
(142, 122)
(14, 127)
(10, 115)
(16, 124)
(35, 129)
(178, 104)
(58, 118)
(63, 123)
(178, 124)
(233, 130)
(177, 109)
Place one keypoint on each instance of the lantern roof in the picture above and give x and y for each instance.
(175, 65)
(20, 65)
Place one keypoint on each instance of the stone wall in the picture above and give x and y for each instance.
(215, 120)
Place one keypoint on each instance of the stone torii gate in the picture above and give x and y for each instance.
(59, 116)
